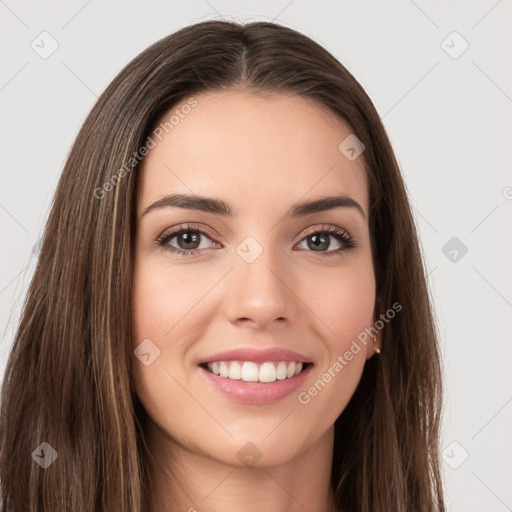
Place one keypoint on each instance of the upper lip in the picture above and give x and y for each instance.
(257, 356)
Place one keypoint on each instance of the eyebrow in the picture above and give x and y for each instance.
(219, 207)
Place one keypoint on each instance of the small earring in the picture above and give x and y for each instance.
(376, 349)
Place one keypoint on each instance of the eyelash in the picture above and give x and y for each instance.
(338, 233)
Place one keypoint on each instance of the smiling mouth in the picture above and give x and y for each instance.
(249, 371)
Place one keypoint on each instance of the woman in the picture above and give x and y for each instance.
(230, 308)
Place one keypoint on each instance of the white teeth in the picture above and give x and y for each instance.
(235, 371)
(281, 371)
(223, 369)
(267, 372)
(249, 371)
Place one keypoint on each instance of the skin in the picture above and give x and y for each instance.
(260, 155)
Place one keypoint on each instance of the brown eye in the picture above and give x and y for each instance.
(189, 240)
(320, 241)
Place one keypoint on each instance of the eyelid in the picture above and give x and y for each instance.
(325, 228)
(185, 227)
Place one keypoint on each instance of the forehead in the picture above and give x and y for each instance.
(250, 151)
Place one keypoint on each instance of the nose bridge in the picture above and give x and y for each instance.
(258, 288)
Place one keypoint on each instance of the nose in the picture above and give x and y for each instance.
(260, 294)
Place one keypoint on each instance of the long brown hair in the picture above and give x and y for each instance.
(68, 379)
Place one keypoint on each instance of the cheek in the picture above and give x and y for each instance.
(345, 309)
(170, 308)
(155, 311)
(343, 302)
(160, 302)
(344, 306)
(162, 298)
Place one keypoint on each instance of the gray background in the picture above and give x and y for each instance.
(448, 116)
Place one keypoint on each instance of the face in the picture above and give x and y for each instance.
(249, 286)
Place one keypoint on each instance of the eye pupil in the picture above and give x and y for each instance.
(318, 241)
(189, 239)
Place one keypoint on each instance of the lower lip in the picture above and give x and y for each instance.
(257, 392)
